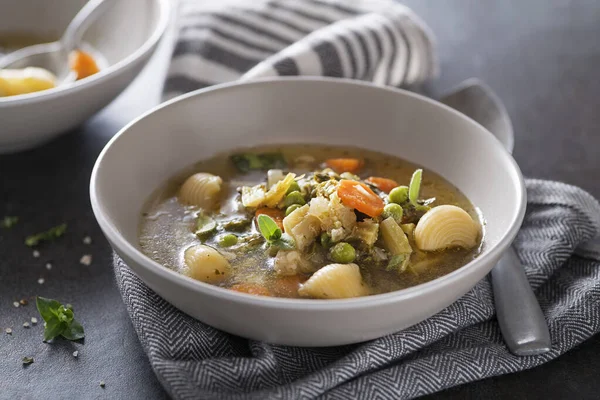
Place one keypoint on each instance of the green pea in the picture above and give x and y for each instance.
(399, 195)
(294, 198)
(342, 253)
(291, 209)
(325, 240)
(294, 187)
(393, 210)
(228, 240)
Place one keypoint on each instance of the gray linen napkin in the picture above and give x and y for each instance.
(385, 43)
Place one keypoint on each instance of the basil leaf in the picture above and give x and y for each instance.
(59, 320)
(286, 242)
(51, 234)
(53, 328)
(398, 262)
(258, 162)
(74, 331)
(415, 186)
(268, 228)
(47, 307)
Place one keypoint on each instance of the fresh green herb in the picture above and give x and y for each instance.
(273, 235)
(204, 225)
(258, 162)
(59, 320)
(27, 360)
(398, 262)
(237, 224)
(415, 186)
(268, 228)
(51, 234)
(8, 222)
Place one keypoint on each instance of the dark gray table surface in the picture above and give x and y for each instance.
(541, 56)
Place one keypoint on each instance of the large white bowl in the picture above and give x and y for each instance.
(295, 110)
(126, 36)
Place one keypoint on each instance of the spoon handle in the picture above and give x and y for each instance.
(82, 21)
(520, 317)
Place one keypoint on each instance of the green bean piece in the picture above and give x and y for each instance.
(228, 240)
(294, 187)
(294, 198)
(291, 209)
(342, 253)
(399, 195)
(325, 240)
(393, 210)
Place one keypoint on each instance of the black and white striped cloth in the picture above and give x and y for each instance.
(462, 343)
(226, 40)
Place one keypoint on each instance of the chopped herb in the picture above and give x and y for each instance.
(59, 320)
(258, 162)
(271, 232)
(398, 263)
(27, 360)
(237, 224)
(268, 228)
(9, 221)
(48, 236)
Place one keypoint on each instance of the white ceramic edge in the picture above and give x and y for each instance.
(369, 301)
(105, 74)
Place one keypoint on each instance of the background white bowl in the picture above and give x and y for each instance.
(157, 145)
(126, 36)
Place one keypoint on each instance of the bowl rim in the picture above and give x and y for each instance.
(103, 75)
(124, 246)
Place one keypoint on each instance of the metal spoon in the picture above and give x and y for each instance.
(54, 56)
(520, 317)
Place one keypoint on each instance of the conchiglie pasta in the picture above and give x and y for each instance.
(206, 264)
(201, 190)
(446, 226)
(335, 281)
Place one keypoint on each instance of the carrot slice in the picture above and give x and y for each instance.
(340, 165)
(275, 213)
(251, 288)
(383, 184)
(287, 286)
(83, 64)
(360, 197)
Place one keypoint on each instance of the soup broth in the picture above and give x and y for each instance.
(282, 266)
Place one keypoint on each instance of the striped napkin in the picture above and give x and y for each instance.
(387, 44)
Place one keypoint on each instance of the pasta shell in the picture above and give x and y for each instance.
(446, 226)
(206, 264)
(201, 190)
(335, 281)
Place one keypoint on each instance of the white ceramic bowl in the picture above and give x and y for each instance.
(126, 36)
(300, 110)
